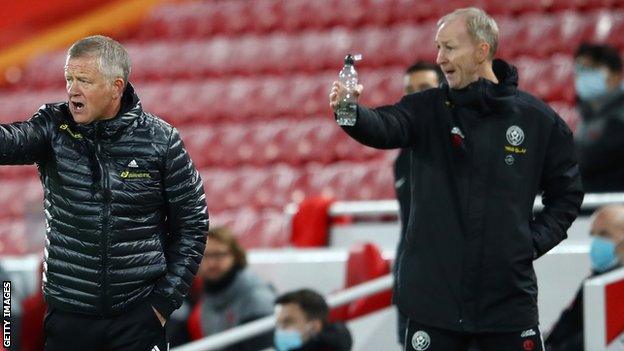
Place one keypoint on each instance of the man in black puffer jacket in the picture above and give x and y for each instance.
(125, 207)
(482, 150)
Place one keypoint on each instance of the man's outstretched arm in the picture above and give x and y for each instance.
(23, 143)
(386, 127)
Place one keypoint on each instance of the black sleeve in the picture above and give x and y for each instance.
(562, 190)
(23, 143)
(187, 219)
(391, 126)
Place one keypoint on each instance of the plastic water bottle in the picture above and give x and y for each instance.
(346, 113)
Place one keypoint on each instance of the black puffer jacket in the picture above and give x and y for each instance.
(125, 207)
(479, 157)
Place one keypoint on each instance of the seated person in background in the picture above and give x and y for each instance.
(607, 253)
(600, 135)
(232, 294)
(302, 324)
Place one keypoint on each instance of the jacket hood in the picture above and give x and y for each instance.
(485, 95)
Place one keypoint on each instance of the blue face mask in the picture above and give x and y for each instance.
(590, 83)
(602, 254)
(286, 339)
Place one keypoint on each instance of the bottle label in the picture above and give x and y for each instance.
(346, 114)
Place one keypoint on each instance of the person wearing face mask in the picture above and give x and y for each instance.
(599, 136)
(232, 293)
(481, 151)
(606, 254)
(302, 325)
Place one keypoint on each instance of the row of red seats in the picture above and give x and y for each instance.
(264, 187)
(245, 98)
(313, 51)
(278, 53)
(203, 19)
(254, 228)
(277, 186)
(231, 99)
(295, 142)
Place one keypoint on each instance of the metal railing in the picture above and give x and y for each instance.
(260, 326)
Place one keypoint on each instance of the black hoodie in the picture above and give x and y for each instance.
(480, 156)
(333, 337)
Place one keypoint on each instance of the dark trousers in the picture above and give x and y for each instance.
(424, 338)
(136, 330)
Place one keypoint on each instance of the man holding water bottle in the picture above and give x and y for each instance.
(482, 151)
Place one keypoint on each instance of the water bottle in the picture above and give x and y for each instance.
(346, 112)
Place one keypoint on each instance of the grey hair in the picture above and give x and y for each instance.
(112, 57)
(481, 27)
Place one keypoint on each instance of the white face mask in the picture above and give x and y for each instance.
(590, 83)
(287, 339)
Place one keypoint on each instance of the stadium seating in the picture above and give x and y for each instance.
(246, 83)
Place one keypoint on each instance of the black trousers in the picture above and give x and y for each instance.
(136, 330)
(424, 338)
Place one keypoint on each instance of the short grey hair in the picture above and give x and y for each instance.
(481, 27)
(112, 57)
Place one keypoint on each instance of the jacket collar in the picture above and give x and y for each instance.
(130, 110)
(486, 96)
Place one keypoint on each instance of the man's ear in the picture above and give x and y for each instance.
(483, 51)
(118, 87)
(316, 326)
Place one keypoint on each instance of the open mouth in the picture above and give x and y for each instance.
(78, 106)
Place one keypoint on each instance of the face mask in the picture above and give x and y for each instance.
(602, 254)
(590, 83)
(287, 339)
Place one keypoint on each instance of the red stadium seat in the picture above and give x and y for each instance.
(365, 263)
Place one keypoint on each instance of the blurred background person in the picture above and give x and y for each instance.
(600, 135)
(606, 254)
(302, 324)
(231, 293)
(422, 75)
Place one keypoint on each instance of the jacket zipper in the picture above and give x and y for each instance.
(105, 186)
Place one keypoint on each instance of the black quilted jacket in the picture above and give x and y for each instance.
(125, 207)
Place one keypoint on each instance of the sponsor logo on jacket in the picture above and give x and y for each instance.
(527, 333)
(64, 127)
(134, 175)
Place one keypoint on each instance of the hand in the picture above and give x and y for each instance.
(338, 92)
(160, 317)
